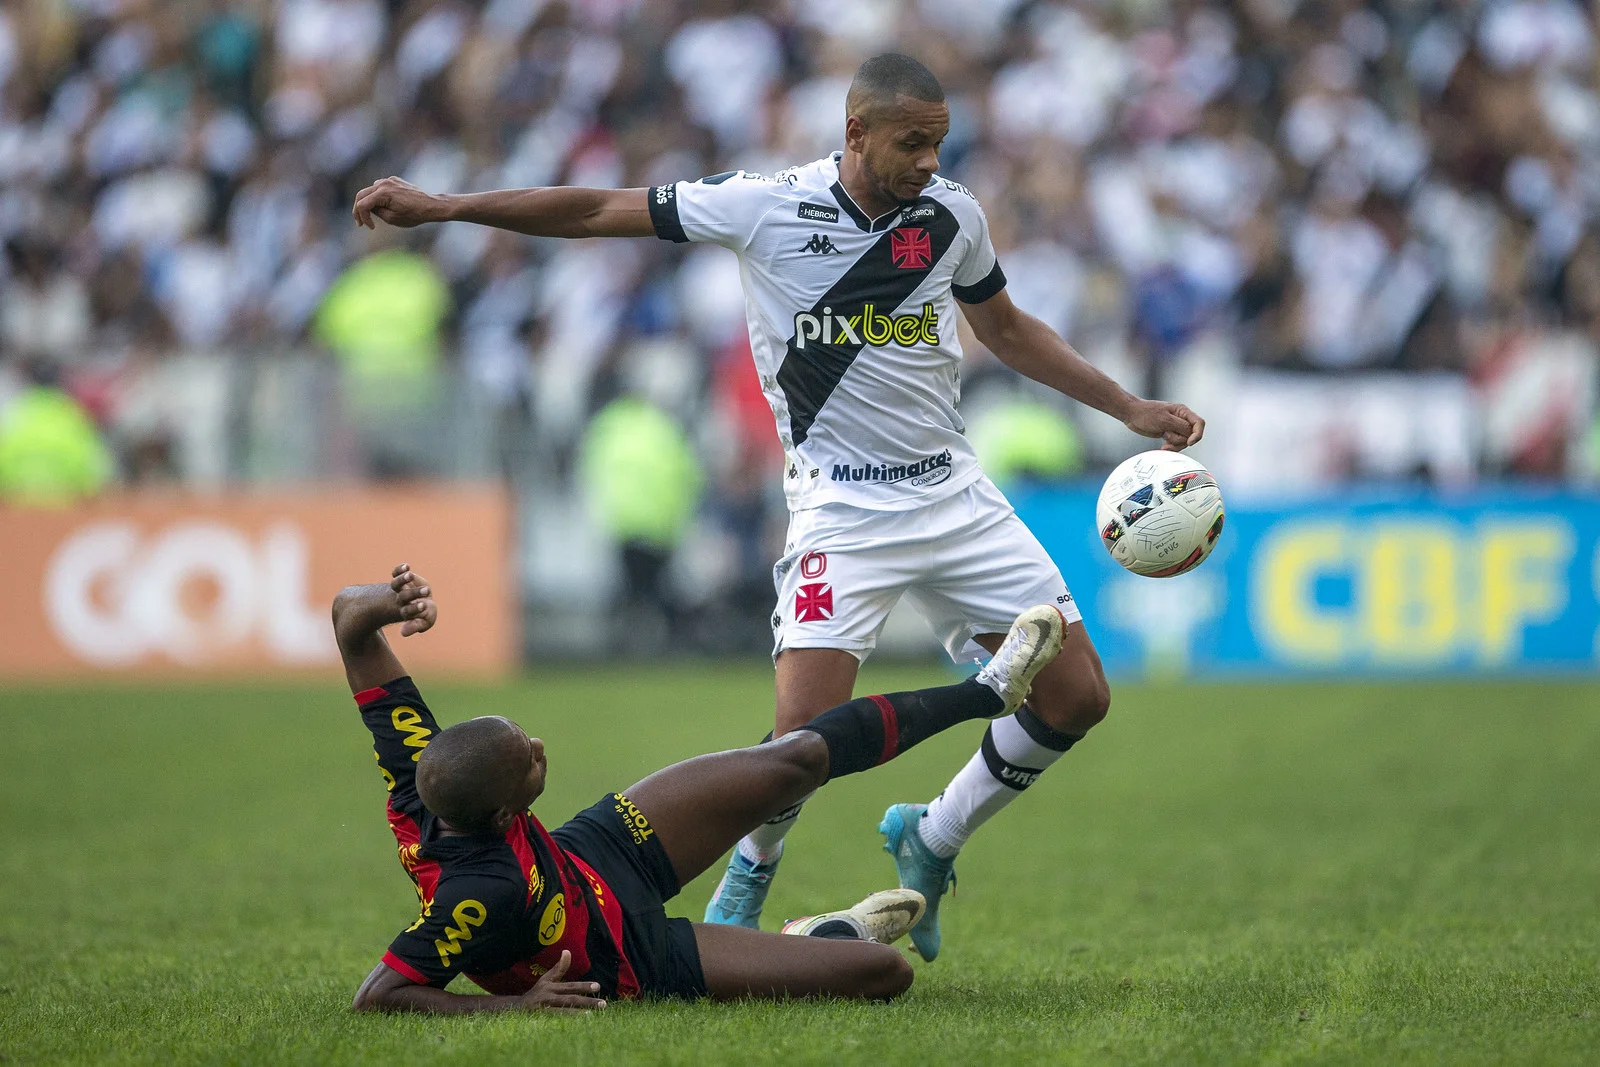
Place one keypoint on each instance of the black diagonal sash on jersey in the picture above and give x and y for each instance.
(809, 377)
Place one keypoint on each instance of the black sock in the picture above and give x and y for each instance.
(873, 730)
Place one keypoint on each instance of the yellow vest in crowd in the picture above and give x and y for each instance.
(1020, 440)
(50, 452)
(640, 473)
(381, 317)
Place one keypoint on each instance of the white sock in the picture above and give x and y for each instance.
(764, 844)
(1015, 751)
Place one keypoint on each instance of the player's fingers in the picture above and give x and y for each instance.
(575, 988)
(554, 974)
(372, 203)
(575, 1003)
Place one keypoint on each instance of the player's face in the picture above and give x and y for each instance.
(900, 147)
(530, 754)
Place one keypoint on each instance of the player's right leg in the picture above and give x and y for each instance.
(739, 963)
(835, 590)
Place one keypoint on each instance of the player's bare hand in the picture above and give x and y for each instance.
(552, 994)
(1175, 424)
(397, 202)
(418, 612)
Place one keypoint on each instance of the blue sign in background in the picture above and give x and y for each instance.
(1499, 581)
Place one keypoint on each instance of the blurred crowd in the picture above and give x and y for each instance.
(1270, 199)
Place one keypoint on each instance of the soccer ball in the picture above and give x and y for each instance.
(1160, 514)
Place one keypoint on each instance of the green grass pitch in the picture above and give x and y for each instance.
(1339, 873)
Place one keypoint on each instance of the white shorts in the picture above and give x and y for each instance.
(967, 562)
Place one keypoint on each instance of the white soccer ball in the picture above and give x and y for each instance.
(1160, 514)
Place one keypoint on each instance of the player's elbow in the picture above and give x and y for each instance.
(367, 1000)
(344, 602)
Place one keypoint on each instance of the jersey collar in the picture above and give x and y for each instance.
(859, 217)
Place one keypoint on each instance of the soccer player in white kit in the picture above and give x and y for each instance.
(853, 268)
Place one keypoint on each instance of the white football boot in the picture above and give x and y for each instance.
(883, 917)
(1033, 641)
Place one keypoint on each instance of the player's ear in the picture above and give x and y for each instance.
(855, 133)
(502, 820)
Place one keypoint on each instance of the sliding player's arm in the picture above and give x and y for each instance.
(557, 211)
(360, 612)
(1034, 350)
(387, 990)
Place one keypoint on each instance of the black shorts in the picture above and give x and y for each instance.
(615, 839)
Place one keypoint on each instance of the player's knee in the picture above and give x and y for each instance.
(804, 754)
(1075, 708)
(885, 974)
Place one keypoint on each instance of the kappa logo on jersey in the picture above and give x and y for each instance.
(930, 470)
(910, 248)
(820, 245)
(867, 327)
(818, 212)
(813, 603)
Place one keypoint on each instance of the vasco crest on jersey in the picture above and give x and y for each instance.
(910, 247)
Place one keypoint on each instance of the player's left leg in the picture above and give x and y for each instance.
(995, 563)
(700, 808)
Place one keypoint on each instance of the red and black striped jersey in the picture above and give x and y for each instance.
(497, 908)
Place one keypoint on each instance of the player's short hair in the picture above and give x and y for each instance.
(466, 770)
(883, 78)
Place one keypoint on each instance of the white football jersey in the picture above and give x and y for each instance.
(852, 323)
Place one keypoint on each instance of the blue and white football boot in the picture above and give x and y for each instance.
(919, 869)
(742, 892)
(1033, 641)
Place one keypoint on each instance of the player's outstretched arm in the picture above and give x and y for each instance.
(558, 211)
(360, 612)
(387, 990)
(1033, 349)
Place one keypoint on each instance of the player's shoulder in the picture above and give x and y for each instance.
(955, 197)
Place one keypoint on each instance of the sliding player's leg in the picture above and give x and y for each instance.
(700, 808)
(809, 682)
(740, 963)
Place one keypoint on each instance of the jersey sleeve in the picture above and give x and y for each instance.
(469, 926)
(979, 276)
(401, 726)
(721, 209)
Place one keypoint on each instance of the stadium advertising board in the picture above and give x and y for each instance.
(240, 584)
(1503, 581)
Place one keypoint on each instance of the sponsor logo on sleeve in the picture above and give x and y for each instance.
(467, 914)
(818, 212)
